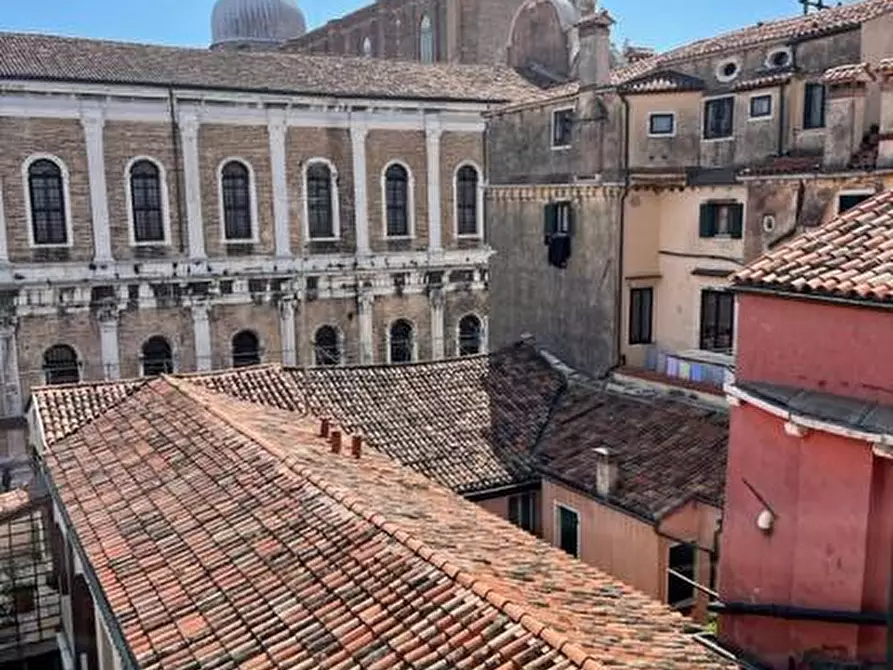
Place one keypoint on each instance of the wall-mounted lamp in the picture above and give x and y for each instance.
(765, 521)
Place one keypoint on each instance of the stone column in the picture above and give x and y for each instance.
(93, 122)
(358, 132)
(108, 340)
(192, 184)
(201, 327)
(438, 345)
(485, 334)
(287, 331)
(4, 245)
(277, 129)
(9, 365)
(432, 152)
(365, 303)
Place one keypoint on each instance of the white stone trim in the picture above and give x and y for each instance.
(365, 303)
(66, 194)
(438, 328)
(252, 209)
(766, 117)
(93, 124)
(410, 201)
(335, 196)
(4, 244)
(433, 133)
(358, 134)
(478, 234)
(288, 333)
(413, 335)
(109, 348)
(201, 331)
(165, 203)
(277, 131)
(192, 182)
(661, 135)
(339, 342)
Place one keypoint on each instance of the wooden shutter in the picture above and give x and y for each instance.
(550, 221)
(736, 220)
(707, 222)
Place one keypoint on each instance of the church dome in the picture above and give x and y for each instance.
(255, 22)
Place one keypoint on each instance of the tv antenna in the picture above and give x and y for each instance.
(812, 4)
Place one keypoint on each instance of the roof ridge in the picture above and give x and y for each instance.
(137, 381)
(478, 585)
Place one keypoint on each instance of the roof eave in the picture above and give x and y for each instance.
(816, 296)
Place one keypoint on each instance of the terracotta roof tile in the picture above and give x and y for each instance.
(847, 257)
(667, 451)
(34, 56)
(845, 74)
(177, 496)
(14, 501)
(764, 81)
(662, 81)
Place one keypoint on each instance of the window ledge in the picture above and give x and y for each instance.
(469, 236)
(247, 240)
(707, 356)
(728, 138)
(159, 243)
(61, 245)
(560, 147)
(662, 136)
(398, 238)
(324, 239)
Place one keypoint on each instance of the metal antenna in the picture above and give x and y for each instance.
(812, 4)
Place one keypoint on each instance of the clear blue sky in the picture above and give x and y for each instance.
(658, 23)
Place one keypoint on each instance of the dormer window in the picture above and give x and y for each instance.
(727, 70)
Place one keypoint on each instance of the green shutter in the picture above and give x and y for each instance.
(707, 223)
(736, 220)
(550, 221)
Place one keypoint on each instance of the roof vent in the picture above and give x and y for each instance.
(606, 473)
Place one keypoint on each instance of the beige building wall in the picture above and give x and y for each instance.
(679, 150)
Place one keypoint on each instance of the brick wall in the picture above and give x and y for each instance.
(137, 326)
(340, 313)
(228, 320)
(459, 304)
(414, 308)
(455, 149)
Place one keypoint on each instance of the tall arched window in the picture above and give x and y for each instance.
(158, 358)
(467, 214)
(401, 344)
(397, 200)
(60, 365)
(426, 40)
(46, 192)
(320, 209)
(327, 349)
(235, 185)
(246, 349)
(367, 47)
(146, 203)
(469, 335)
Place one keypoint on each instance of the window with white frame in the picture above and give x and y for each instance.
(237, 202)
(662, 124)
(426, 40)
(147, 202)
(468, 201)
(322, 201)
(48, 206)
(761, 106)
(567, 536)
(397, 201)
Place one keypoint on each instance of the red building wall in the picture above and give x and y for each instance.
(815, 345)
(832, 542)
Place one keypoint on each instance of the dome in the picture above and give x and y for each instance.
(256, 22)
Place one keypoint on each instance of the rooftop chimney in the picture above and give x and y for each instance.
(606, 473)
(356, 446)
(632, 54)
(324, 427)
(335, 441)
(594, 61)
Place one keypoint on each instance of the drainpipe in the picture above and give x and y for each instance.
(619, 298)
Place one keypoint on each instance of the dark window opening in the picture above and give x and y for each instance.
(680, 593)
(397, 201)
(558, 228)
(326, 347)
(719, 118)
(814, 106)
(467, 200)
(246, 349)
(850, 200)
(236, 184)
(60, 365)
(717, 320)
(401, 344)
(47, 193)
(321, 223)
(760, 106)
(158, 359)
(469, 335)
(523, 512)
(729, 69)
(722, 219)
(145, 202)
(640, 306)
(569, 531)
(780, 59)
(661, 124)
(562, 127)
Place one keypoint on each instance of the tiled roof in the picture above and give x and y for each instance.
(667, 451)
(14, 501)
(845, 74)
(851, 256)
(764, 81)
(790, 164)
(661, 82)
(45, 57)
(177, 496)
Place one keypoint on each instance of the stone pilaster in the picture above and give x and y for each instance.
(277, 130)
(437, 302)
(201, 327)
(107, 316)
(433, 132)
(358, 133)
(4, 244)
(287, 332)
(192, 183)
(9, 365)
(93, 122)
(365, 303)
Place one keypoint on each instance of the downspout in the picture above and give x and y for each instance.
(625, 149)
(175, 144)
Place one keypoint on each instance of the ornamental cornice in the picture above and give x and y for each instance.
(547, 192)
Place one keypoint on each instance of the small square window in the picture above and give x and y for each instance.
(661, 124)
(562, 127)
(760, 106)
(522, 511)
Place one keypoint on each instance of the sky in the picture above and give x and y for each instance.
(655, 23)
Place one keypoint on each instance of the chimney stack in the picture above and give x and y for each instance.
(606, 473)
(335, 441)
(594, 60)
(324, 427)
(356, 446)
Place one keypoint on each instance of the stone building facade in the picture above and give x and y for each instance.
(701, 158)
(147, 227)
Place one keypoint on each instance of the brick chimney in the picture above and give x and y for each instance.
(606, 473)
(356, 446)
(594, 60)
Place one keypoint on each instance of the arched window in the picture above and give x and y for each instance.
(60, 365)
(469, 335)
(46, 192)
(158, 358)
(145, 202)
(401, 343)
(327, 350)
(426, 40)
(467, 214)
(367, 47)
(246, 349)
(397, 200)
(320, 207)
(235, 185)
